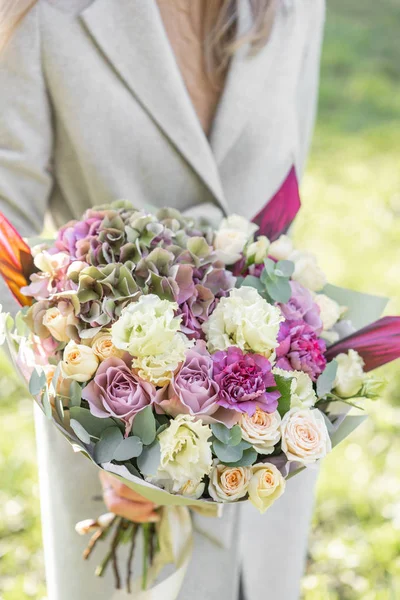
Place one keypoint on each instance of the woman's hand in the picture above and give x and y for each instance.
(126, 503)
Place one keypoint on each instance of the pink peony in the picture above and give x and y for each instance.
(300, 349)
(244, 380)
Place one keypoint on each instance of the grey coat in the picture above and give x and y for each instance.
(93, 108)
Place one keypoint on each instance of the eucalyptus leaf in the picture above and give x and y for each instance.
(161, 429)
(362, 309)
(107, 445)
(327, 378)
(227, 453)
(75, 394)
(249, 458)
(93, 425)
(254, 282)
(130, 447)
(279, 289)
(284, 385)
(37, 382)
(269, 266)
(284, 268)
(149, 461)
(144, 426)
(221, 432)
(80, 431)
(235, 436)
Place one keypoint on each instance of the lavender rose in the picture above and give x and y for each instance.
(116, 392)
(302, 306)
(300, 349)
(244, 380)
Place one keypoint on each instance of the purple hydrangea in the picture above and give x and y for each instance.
(75, 237)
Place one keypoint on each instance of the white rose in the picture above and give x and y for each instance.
(266, 485)
(306, 270)
(262, 430)
(228, 484)
(146, 327)
(330, 311)
(185, 451)
(350, 374)
(231, 238)
(57, 322)
(305, 437)
(246, 320)
(103, 347)
(79, 362)
(257, 252)
(302, 394)
(282, 248)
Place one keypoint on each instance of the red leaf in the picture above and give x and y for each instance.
(378, 343)
(16, 262)
(278, 214)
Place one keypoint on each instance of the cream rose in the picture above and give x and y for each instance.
(257, 251)
(266, 485)
(306, 270)
(305, 438)
(57, 322)
(185, 451)
(103, 346)
(228, 484)
(231, 238)
(350, 374)
(79, 362)
(302, 393)
(262, 430)
(330, 311)
(282, 248)
(246, 320)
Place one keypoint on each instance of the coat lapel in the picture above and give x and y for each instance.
(131, 35)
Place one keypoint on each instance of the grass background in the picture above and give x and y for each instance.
(351, 218)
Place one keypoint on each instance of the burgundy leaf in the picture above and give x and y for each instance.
(378, 343)
(277, 215)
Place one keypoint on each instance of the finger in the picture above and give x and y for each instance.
(121, 489)
(133, 511)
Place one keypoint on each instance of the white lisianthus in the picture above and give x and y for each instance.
(350, 374)
(146, 327)
(266, 485)
(262, 430)
(231, 238)
(103, 347)
(307, 271)
(305, 437)
(160, 368)
(257, 251)
(57, 322)
(185, 451)
(330, 310)
(282, 248)
(79, 362)
(246, 320)
(228, 484)
(302, 394)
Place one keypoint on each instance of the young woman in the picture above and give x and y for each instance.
(204, 105)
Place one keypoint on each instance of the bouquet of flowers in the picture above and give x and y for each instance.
(199, 366)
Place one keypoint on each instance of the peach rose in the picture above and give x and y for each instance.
(262, 430)
(305, 438)
(266, 485)
(57, 322)
(228, 484)
(103, 346)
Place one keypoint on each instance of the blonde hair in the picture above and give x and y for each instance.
(220, 25)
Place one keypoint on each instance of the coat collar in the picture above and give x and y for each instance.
(131, 35)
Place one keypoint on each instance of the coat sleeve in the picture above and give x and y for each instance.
(308, 84)
(25, 134)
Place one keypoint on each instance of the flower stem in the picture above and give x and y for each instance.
(146, 548)
(135, 528)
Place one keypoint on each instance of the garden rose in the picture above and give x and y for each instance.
(228, 484)
(261, 430)
(281, 248)
(79, 362)
(103, 347)
(302, 394)
(350, 374)
(305, 438)
(185, 451)
(300, 349)
(266, 485)
(116, 392)
(231, 238)
(306, 270)
(246, 320)
(243, 380)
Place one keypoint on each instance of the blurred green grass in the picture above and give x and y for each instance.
(351, 219)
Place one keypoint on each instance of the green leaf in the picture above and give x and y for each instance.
(230, 437)
(75, 394)
(80, 431)
(284, 386)
(235, 436)
(227, 453)
(363, 309)
(269, 266)
(93, 425)
(144, 426)
(161, 429)
(249, 458)
(149, 461)
(37, 382)
(326, 380)
(279, 289)
(130, 447)
(254, 282)
(284, 268)
(108, 443)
